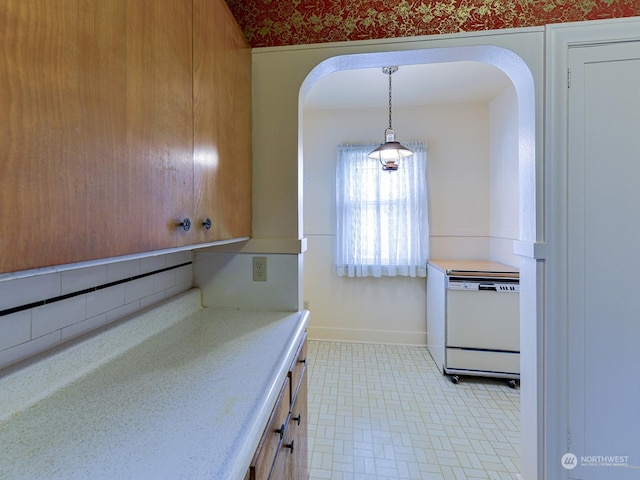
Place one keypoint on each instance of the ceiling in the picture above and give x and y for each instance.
(413, 85)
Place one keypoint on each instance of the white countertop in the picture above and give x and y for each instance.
(190, 401)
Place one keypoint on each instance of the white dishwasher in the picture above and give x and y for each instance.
(473, 319)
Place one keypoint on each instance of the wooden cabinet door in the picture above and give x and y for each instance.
(291, 462)
(282, 465)
(62, 111)
(155, 176)
(222, 123)
(296, 439)
(298, 431)
(96, 109)
(262, 465)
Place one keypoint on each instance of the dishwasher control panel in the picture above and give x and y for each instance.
(508, 287)
(491, 286)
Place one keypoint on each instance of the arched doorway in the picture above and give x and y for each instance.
(520, 76)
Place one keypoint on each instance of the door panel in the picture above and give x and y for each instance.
(604, 257)
(222, 123)
(155, 181)
(97, 129)
(62, 113)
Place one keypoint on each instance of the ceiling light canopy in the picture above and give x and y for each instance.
(391, 151)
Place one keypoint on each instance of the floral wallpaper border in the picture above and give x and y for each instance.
(297, 22)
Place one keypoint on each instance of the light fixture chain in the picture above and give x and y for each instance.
(390, 152)
(390, 72)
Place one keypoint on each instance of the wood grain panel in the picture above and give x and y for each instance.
(60, 66)
(298, 424)
(263, 460)
(222, 122)
(96, 109)
(155, 184)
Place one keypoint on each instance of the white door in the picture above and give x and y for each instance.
(604, 261)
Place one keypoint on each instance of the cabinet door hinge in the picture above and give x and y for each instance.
(568, 78)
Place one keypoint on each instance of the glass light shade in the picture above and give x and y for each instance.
(390, 152)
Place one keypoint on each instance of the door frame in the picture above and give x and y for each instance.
(527, 246)
(559, 38)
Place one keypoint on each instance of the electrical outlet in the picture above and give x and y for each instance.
(259, 269)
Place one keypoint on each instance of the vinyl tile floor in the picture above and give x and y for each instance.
(385, 412)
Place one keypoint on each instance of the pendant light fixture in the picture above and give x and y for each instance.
(391, 151)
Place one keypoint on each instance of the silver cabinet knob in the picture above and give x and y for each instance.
(185, 224)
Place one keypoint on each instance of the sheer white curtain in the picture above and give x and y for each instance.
(382, 217)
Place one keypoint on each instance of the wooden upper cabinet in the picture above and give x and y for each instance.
(222, 122)
(155, 186)
(99, 102)
(62, 111)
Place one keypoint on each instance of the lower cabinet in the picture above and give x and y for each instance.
(282, 452)
(297, 433)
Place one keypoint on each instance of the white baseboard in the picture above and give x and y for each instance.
(367, 336)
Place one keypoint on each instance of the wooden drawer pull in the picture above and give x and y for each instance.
(297, 419)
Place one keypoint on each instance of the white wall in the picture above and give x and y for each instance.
(457, 138)
(504, 189)
(462, 204)
(226, 280)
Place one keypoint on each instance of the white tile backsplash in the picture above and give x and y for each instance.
(152, 299)
(31, 331)
(30, 348)
(83, 278)
(137, 289)
(84, 326)
(54, 316)
(164, 280)
(128, 309)
(15, 328)
(151, 264)
(179, 258)
(104, 300)
(127, 269)
(23, 291)
(184, 274)
(178, 288)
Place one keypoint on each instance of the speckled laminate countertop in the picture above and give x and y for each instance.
(185, 397)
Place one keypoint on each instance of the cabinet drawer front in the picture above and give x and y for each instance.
(298, 367)
(263, 460)
(297, 433)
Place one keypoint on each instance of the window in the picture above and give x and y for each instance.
(382, 220)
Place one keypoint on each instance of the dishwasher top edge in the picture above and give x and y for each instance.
(475, 268)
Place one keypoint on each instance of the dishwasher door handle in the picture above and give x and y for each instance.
(489, 286)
